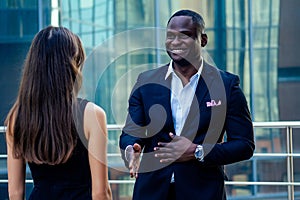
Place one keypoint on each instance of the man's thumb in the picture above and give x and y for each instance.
(136, 147)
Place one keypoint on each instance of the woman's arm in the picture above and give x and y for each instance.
(96, 132)
(16, 169)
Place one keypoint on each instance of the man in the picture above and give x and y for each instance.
(177, 117)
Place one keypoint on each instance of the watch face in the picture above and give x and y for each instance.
(198, 153)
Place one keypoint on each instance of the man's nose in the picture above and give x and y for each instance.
(177, 40)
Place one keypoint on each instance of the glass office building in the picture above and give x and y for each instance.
(240, 40)
(251, 38)
(19, 20)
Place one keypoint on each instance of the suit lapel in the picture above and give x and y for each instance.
(166, 96)
(192, 122)
(204, 83)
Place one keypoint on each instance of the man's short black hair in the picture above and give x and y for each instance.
(196, 17)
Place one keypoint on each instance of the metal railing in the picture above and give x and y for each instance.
(289, 155)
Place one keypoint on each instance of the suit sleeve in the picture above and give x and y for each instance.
(134, 128)
(238, 127)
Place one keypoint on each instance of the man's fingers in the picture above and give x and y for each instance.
(172, 135)
(134, 161)
(163, 150)
(164, 155)
(133, 170)
(163, 144)
(136, 148)
(133, 174)
(166, 160)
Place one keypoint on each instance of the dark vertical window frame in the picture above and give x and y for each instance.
(242, 32)
(94, 22)
(234, 36)
(79, 10)
(268, 79)
(59, 12)
(70, 14)
(220, 34)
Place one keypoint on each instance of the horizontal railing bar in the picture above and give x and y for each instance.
(110, 181)
(113, 155)
(276, 154)
(261, 183)
(121, 181)
(112, 127)
(277, 124)
(2, 129)
(226, 182)
(254, 155)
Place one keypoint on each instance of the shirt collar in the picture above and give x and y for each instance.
(171, 70)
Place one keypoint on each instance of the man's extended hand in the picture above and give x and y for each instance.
(133, 156)
(180, 149)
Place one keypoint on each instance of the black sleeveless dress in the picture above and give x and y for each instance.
(71, 180)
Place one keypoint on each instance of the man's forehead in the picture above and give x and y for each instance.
(183, 22)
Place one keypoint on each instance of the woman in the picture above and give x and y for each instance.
(61, 137)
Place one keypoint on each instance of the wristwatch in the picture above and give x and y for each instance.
(199, 153)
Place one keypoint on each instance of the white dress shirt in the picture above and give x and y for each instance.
(181, 98)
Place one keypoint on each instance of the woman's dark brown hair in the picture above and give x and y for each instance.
(43, 128)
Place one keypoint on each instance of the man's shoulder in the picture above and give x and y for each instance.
(226, 75)
(155, 73)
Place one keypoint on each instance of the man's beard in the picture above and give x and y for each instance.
(182, 62)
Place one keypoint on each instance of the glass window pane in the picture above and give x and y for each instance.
(296, 143)
(270, 140)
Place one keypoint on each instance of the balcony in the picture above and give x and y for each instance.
(270, 174)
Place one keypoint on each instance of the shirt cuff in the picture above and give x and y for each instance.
(126, 156)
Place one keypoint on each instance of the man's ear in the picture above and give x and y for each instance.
(204, 39)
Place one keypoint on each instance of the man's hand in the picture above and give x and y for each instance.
(180, 149)
(133, 156)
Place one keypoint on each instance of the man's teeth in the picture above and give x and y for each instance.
(177, 51)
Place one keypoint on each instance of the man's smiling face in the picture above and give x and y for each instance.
(183, 43)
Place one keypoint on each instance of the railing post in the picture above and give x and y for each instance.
(290, 164)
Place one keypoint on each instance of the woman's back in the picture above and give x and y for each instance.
(46, 127)
(70, 180)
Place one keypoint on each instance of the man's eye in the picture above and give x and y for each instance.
(183, 36)
(180, 36)
(171, 36)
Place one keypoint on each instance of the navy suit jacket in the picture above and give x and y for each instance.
(218, 108)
